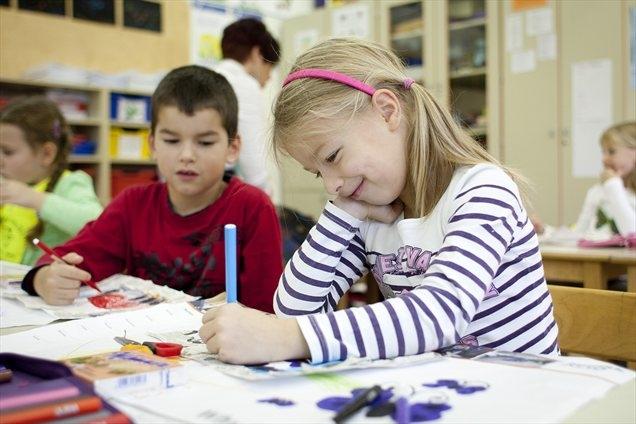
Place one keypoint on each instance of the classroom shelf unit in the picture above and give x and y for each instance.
(112, 150)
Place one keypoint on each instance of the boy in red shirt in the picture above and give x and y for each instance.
(172, 232)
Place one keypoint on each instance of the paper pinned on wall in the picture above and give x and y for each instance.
(351, 21)
(514, 32)
(632, 47)
(546, 47)
(206, 29)
(522, 62)
(591, 114)
(304, 40)
(539, 21)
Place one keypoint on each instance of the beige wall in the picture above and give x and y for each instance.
(28, 39)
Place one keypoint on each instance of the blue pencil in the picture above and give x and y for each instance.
(230, 263)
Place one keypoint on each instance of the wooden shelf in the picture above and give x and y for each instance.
(124, 124)
(84, 159)
(48, 84)
(468, 72)
(406, 35)
(123, 161)
(469, 23)
(84, 122)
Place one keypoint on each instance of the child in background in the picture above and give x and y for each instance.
(610, 206)
(39, 197)
(172, 232)
(417, 202)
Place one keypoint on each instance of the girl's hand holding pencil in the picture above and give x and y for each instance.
(59, 282)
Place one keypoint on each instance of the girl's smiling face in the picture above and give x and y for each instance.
(364, 159)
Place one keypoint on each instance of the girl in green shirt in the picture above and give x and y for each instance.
(39, 197)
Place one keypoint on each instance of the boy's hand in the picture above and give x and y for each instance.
(59, 283)
(363, 211)
(18, 193)
(240, 335)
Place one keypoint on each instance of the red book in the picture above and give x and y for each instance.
(51, 411)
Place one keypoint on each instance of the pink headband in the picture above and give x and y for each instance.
(338, 77)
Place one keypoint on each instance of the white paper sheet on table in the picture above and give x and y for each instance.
(129, 287)
(13, 314)
(96, 335)
(512, 394)
(534, 392)
(11, 275)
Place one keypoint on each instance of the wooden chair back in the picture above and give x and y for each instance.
(596, 322)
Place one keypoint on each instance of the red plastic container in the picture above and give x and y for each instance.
(122, 178)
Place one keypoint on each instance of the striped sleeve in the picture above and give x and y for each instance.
(328, 262)
(480, 229)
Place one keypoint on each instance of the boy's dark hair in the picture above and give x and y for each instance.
(241, 36)
(192, 88)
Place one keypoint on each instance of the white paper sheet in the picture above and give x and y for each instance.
(522, 62)
(539, 21)
(96, 335)
(510, 394)
(546, 47)
(14, 314)
(632, 46)
(303, 40)
(527, 390)
(10, 271)
(591, 114)
(351, 21)
(138, 294)
(206, 29)
(514, 32)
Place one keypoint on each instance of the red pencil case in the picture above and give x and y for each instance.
(628, 241)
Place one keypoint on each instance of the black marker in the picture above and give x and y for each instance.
(357, 403)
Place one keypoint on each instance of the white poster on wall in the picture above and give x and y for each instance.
(351, 21)
(539, 21)
(514, 32)
(522, 62)
(206, 28)
(304, 40)
(546, 47)
(591, 114)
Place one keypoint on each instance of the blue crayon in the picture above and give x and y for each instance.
(230, 263)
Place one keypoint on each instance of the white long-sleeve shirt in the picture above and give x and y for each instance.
(469, 272)
(617, 203)
(252, 162)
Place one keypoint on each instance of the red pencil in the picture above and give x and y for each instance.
(46, 249)
(49, 411)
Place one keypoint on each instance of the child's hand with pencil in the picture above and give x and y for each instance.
(59, 282)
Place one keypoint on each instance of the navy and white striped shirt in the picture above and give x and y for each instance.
(469, 272)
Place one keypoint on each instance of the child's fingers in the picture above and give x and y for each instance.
(70, 272)
(66, 295)
(62, 283)
(210, 315)
(206, 332)
(73, 258)
(212, 345)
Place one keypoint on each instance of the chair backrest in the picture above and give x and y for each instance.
(596, 322)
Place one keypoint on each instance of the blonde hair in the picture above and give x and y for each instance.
(623, 134)
(437, 146)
